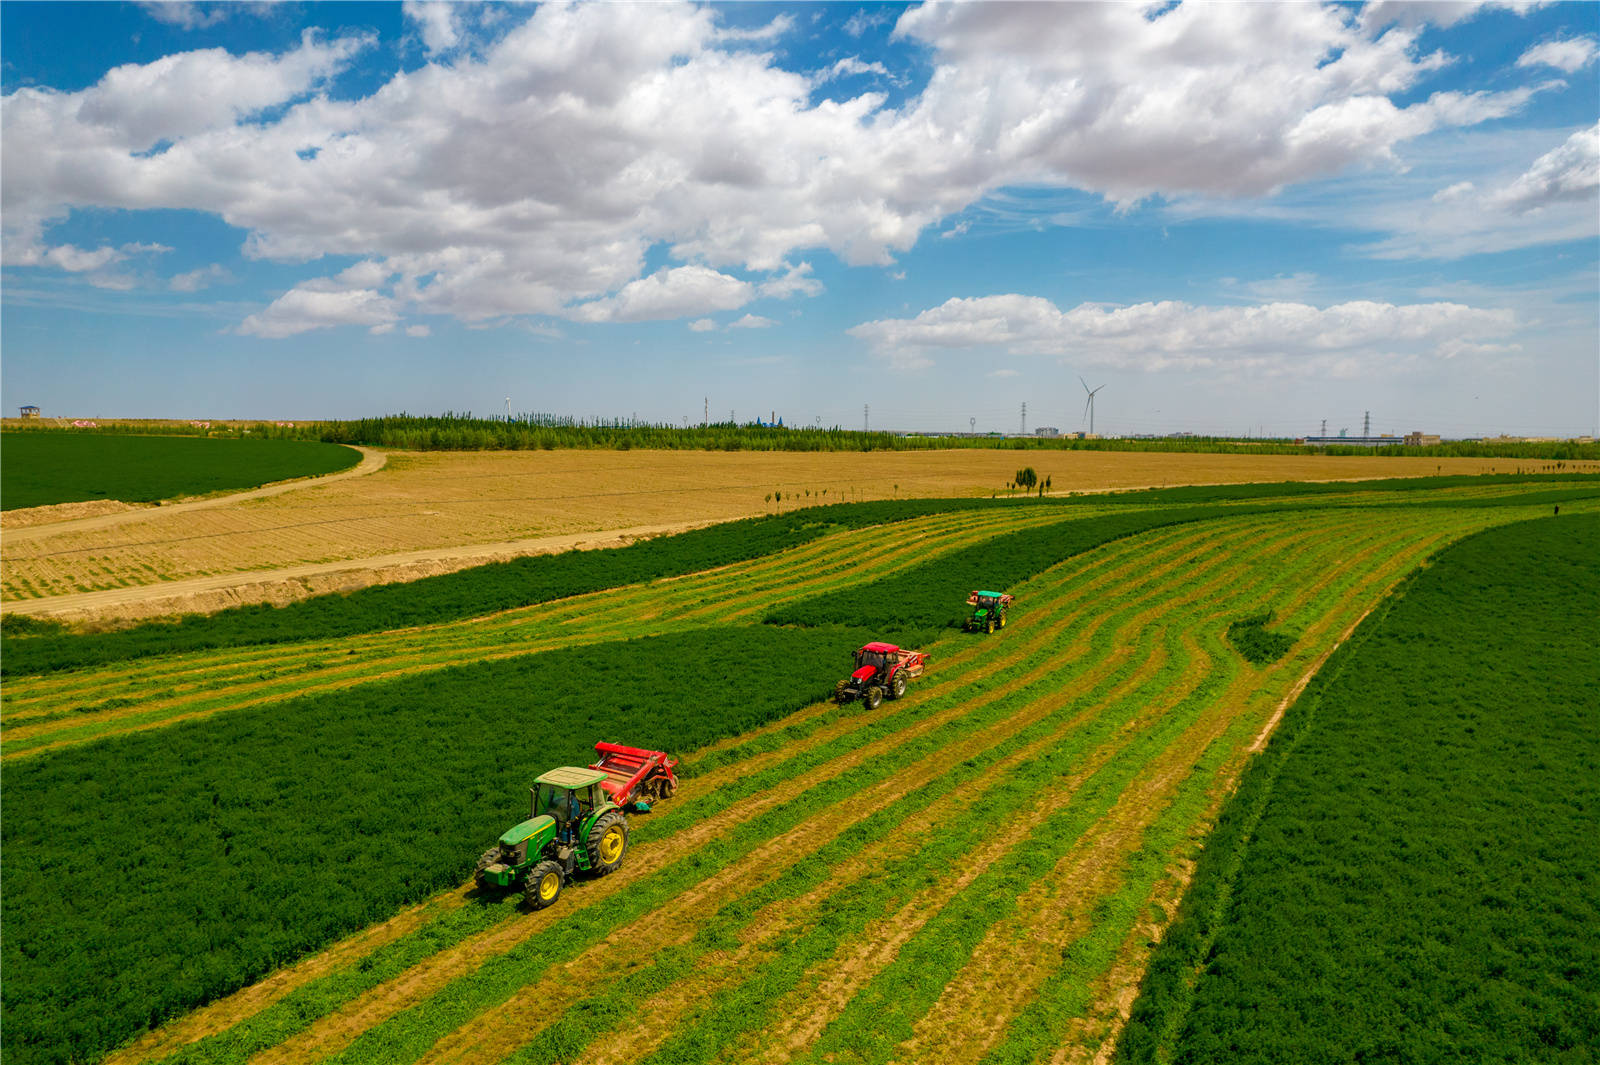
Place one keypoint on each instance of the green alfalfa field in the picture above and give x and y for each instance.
(256, 846)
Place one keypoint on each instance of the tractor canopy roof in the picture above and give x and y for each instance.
(882, 648)
(571, 777)
(988, 595)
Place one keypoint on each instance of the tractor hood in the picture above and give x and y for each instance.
(864, 673)
(528, 829)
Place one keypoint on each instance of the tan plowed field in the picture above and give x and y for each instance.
(974, 873)
(431, 512)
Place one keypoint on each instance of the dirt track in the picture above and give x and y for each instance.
(207, 594)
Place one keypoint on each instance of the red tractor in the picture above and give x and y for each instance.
(882, 669)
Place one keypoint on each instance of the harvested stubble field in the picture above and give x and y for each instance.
(433, 512)
(974, 874)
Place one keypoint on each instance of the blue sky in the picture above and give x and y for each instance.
(1235, 217)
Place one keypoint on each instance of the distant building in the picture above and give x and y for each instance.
(1047, 430)
(1419, 438)
(30, 412)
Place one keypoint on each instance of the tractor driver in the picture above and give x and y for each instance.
(564, 808)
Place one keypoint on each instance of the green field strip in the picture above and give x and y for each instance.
(849, 746)
(1510, 589)
(697, 810)
(302, 1006)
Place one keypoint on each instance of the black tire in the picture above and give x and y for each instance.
(488, 858)
(1002, 621)
(873, 697)
(841, 692)
(539, 889)
(605, 850)
(991, 626)
(897, 685)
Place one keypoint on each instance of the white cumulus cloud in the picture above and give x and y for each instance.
(304, 308)
(1568, 54)
(534, 176)
(1270, 337)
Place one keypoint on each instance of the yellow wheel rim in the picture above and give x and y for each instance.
(549, 886)
(611, 844)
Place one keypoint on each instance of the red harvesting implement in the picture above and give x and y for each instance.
(882, 669)
(634, 775)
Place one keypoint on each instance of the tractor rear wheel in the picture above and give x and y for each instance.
(897, 686)
(873, 697)
(608, 842)
(1002, 621)
(841, 692)
(543, 885)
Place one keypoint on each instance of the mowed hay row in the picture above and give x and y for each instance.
(739, 795)
(435, 500)
(1000, 712)
(42, 712)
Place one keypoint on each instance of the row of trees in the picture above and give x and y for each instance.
(532, 432)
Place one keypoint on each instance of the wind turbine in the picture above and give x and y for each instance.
(1088, 406)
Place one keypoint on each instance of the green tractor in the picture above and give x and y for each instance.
(988, 611)
(572, 825)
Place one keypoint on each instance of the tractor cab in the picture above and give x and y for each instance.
(572, 825)
(875, 657)
(988, 610)
(568, 796)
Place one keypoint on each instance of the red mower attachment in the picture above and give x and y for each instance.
(634, 775)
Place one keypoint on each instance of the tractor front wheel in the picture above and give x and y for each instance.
(991, 626)
(608, 842)
(543, 885)
(487, 859)
(841, 692)
(873, 697)
(897, 686)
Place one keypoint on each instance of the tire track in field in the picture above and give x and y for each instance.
(226, 1012)
(333, 1033)
(1019, 953)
